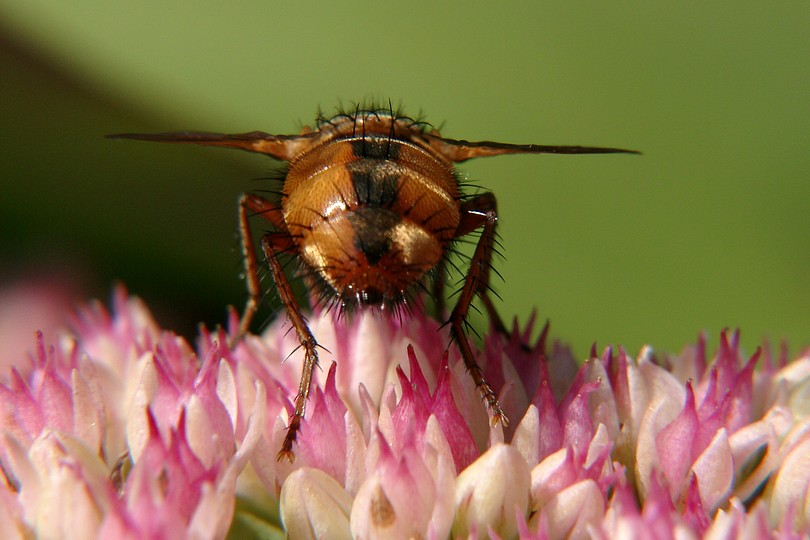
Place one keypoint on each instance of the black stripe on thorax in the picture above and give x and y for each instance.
(375, 147)
(375, 182)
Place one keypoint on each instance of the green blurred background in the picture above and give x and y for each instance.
(708, 229)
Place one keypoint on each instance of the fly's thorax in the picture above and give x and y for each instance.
(371, 214)
(347, 173)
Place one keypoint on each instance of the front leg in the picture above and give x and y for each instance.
(270, 246)
(477, 212)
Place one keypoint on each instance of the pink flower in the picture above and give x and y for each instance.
(140, 435)
(120, 432)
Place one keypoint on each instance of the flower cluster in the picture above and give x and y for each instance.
(122, 430)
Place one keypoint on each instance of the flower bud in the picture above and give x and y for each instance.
(313, 505)
(491, 492)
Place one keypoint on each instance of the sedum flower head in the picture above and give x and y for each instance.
(119, 429)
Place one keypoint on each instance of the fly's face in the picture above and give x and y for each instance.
(370, 256)
(370, 205)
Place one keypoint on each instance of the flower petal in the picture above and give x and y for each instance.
(790, 488)
(714, 470)
(314, 506)
(572, 511)
(490, 492)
